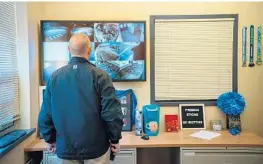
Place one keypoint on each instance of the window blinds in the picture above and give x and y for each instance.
(9, 97)
(193, 58)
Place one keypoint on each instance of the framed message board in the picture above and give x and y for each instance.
(192, 116)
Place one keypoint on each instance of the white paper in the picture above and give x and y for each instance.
(207, 135)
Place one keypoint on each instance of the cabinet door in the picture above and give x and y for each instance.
(49, 158)
(53, 159)
(202, 158)
(125, 157)
(244, 158)
(221, 157)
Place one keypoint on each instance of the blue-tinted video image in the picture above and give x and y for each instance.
(117, 48)
(123, 70)
(119, 32)
(132, 32)
(107, 32)
(50, 67)
(55, 32)
(56, 55)
(85, 28)
(115, 51)
(92, 53)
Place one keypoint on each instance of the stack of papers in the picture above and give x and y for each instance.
(207, 135)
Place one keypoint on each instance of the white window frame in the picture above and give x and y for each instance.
(211, 102)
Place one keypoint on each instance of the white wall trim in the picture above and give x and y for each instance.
(23, 65)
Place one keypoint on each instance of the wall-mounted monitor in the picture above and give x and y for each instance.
(118, 47)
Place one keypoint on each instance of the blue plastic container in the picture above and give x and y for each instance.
(151, 119)
(138, 123)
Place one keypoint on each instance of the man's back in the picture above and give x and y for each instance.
(81, 103)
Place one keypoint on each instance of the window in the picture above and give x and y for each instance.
(9, 96)
(193, 58)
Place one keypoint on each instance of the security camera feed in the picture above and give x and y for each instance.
(55, 32)
(107, 32)
(118, 48)
(86, 28)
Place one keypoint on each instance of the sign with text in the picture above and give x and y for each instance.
(192, 116)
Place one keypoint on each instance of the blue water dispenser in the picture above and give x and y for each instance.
(151, 119)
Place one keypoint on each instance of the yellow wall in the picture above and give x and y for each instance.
(250, 81)
(34, 11)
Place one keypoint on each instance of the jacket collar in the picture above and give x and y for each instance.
(79, 59)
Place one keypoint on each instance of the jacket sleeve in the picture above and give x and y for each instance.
(45, 122)
(111, 109)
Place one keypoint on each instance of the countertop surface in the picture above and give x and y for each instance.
(175, 139)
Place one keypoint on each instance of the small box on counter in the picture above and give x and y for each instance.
(171, 123)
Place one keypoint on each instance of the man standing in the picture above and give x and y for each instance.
(81, 117)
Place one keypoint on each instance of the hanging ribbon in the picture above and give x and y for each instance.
(244, 47)
(259, 61)
(251, 57)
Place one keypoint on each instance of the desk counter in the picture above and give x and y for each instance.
(178, 139)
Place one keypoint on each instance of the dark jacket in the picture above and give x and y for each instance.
(80, 111)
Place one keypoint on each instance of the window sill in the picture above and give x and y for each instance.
(5, 150)
(177, 102)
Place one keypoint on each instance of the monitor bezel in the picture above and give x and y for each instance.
(42, 82)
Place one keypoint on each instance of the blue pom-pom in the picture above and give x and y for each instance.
(231, 103)
(234, 131)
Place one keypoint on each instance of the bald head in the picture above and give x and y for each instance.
(79, 46)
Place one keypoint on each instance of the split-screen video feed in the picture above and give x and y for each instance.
(117, 48)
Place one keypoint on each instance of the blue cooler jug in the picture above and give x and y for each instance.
(151, 119)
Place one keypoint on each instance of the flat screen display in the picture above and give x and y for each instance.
(118, 48)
